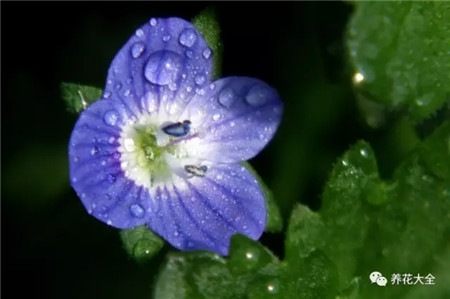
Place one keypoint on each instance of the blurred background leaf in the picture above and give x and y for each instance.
(400, 54)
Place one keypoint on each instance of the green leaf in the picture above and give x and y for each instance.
(274, 221)
(248, 270)
(206, 22)
(400, 55)
(367, 224)
(78, 97)
(141, 243)
(436, 152)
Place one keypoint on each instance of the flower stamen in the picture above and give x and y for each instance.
(195, 170)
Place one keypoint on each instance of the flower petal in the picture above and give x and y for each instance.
(202, 213)
(164, 58)
(95, 170)
(235, 118)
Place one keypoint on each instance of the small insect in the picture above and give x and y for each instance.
(199, 171)
(178, 129)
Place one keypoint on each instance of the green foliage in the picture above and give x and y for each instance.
(250, 268)
(78, 97)
(141, 243)
(402, 51)
(206, 22)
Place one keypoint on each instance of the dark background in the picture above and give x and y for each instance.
(51, 248)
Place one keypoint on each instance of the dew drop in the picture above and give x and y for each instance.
(364, 152)
(137, 211)
(199, 80)
(212, 86)
(216, 116)
(139, 33)
(106, 95)
(127, 92)
(200, 91)
(232, 124)
(109, 222)
(226, 97)
(188, 37)
(166, 37)
(94, 151)
(206, 53)
(175, 233)
(257, 95)
(153, 22)
(137, 49)
(111, 117)
(163, 67)
(111, 178)
(277, 110)
(189, 54)
(118, 86)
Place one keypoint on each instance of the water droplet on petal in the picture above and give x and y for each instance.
(153, 22)
(137, 49)
(111, 178)
(139, 33)
(127, 92)
(106, 95)
(166, 37)
(118, 86)
(232, 124)
(188, 37)
(163, 67)
(200, 91)
(189, 54)
(226, 97)
(257, 95)
(206, 53)
(137, 211)
(199, 80)
(212, 86)
(175, 233)
(111, 117)
(94, 151)
(216, 116)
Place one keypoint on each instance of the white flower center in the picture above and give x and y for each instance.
(155, 154)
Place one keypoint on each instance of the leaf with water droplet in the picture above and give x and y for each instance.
(140, 242)
(203, 274)
(400, 55)
(247, 255)
(207, 24)
(78, 97)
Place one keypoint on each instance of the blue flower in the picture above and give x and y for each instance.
(164, 144)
